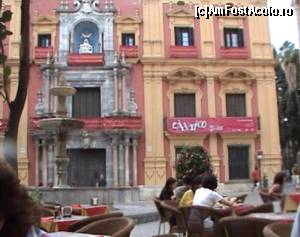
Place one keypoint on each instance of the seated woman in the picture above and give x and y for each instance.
(277, 187)
(167, 193)
(187, 198)
(206, 196)
(18, 213)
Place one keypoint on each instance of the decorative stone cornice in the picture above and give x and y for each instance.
(128, 20)
(237, 75)
(185, 74)
(181, 12)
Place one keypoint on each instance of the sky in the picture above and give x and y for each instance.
(283, 28)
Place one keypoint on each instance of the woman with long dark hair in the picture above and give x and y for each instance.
(167, 193)
(18, 213)
(278, 182)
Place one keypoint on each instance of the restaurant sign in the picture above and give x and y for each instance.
(211, 125)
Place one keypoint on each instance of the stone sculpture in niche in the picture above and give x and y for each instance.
(86, 47)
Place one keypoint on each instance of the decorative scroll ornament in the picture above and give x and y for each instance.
(86, 6)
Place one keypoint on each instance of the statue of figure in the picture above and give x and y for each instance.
(86, 47)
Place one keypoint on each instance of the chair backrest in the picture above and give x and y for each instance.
(241, 226)
(278, 230)
(157, 203)
(198, 215)
(266, 197)
(186, 212)
(175, 211)
(266, 207)
(80, 224)
(114, 226)
(46, 211)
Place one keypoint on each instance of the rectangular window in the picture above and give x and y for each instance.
(86, 103)
(128, 39)
(44, 40)
(234, 38)
(236, 105)
(184, 105)
(184, 36)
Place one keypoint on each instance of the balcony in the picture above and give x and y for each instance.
(42, 53)
(234, 53)
(103, 123)
(75, 59)
(129, 51)
(211, 125)
(183, 52)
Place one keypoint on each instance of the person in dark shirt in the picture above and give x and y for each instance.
(167, 191)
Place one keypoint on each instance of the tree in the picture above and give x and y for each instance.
(287, 81)
(15, 105)
(192, 161)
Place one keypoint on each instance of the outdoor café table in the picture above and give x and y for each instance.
(89, 210)
(71, 234)
(52, 225)
(234, 211)
(291, 202)
(283, 217)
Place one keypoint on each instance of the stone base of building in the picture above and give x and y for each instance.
(67, 196)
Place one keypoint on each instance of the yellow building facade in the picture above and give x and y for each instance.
(210, 71)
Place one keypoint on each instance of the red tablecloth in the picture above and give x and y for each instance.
(89, 210)
(234, 210)
(69, 234)
(51, 225)
(295, 197)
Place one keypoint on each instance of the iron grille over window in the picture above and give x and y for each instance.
(233, 38)
(184, 105)
(128, 39)
(235, 105)
(86, 103)
(184, 36)
(44, 40)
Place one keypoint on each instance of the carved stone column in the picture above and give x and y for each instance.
(114, 146)
(44, 163)
(121, 167)
(37, 162)
(134, 146)
(124, 105)
(51, 163)
(127, 144)
(116, 90)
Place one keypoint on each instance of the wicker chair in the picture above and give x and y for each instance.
(114, 226)
(163, 218)
(278, 230)
(267, 207)
(80, 224)
(196, 221)
(170, 210)
(241, 198)
(241, 226)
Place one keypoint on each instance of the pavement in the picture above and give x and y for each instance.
(146, 216)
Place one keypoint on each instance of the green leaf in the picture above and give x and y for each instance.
(3, 58)
(6, 71)
(6, 16)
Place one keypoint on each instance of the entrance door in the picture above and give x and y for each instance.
(238, 157)
(85, 166)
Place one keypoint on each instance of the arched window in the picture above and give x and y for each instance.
(86, 38)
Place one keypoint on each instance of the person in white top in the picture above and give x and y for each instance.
(206, 196)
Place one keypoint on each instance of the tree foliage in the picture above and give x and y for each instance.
(287, 82)
(192, 161)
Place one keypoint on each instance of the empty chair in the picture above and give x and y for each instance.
(266, 207)
(241, 226)
(278, 230)
(114, 226)
(196, 225)
(80, 224)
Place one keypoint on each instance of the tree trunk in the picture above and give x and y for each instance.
(17, 105)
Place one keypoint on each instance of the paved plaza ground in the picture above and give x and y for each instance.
(151, 228)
